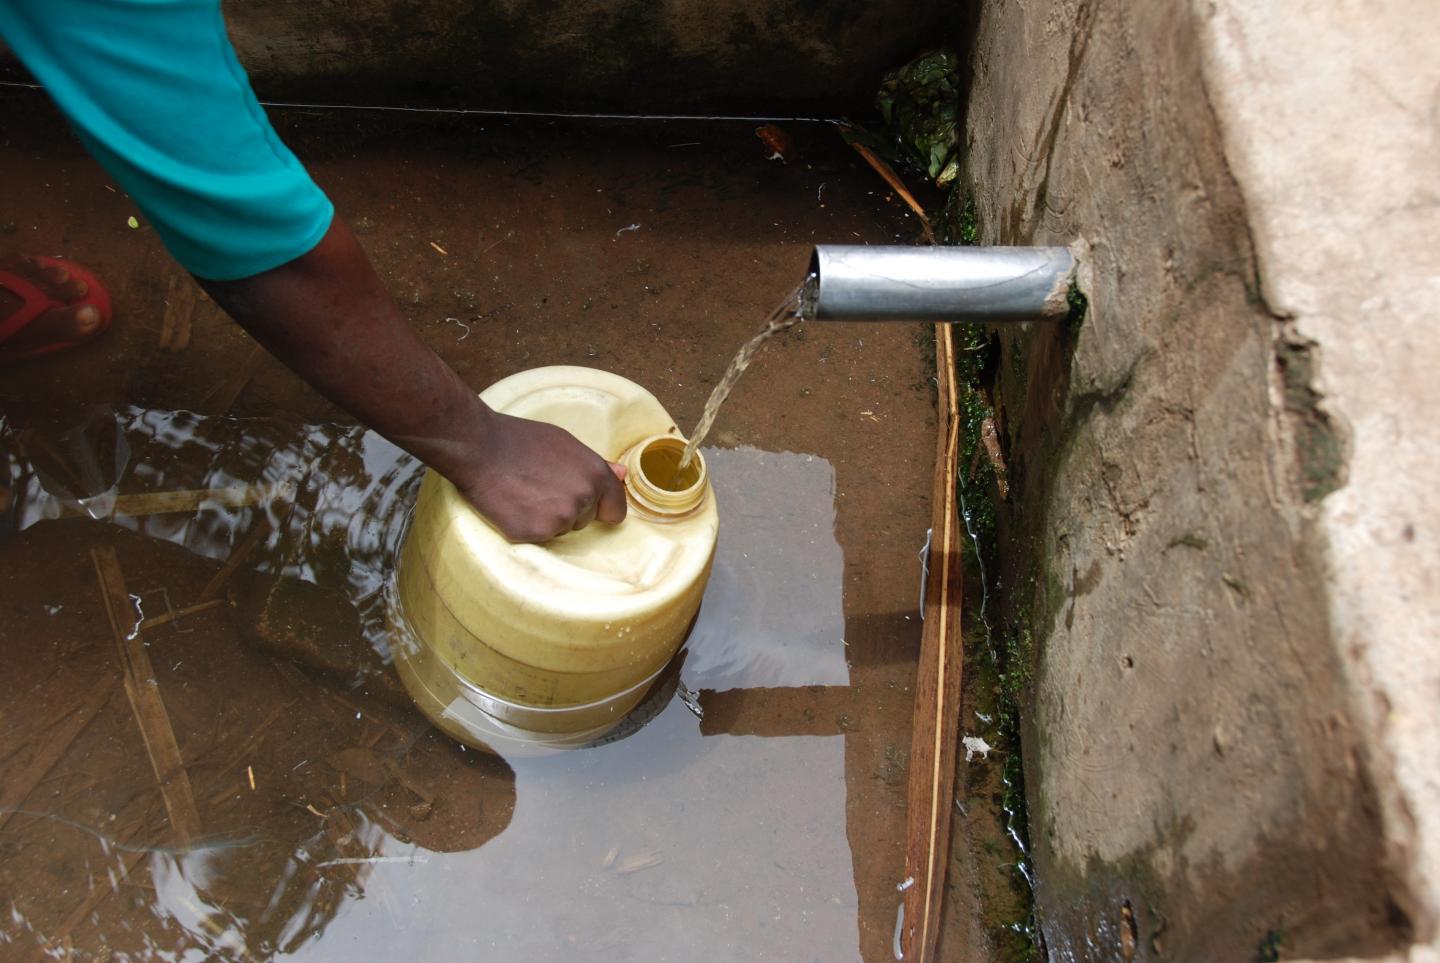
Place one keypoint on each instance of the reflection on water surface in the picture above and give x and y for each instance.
(335, 820)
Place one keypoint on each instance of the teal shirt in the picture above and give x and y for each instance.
(155, 92)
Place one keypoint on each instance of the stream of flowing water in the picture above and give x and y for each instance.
(788, 313)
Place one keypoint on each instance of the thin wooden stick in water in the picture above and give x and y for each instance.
(893, 179)
(786, 315)
(140, 685)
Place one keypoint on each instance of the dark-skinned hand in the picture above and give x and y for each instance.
(534, 481)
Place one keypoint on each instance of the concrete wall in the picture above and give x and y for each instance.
(1223, 538)
(748, 56)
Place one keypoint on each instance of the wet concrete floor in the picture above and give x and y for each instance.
(756, 811)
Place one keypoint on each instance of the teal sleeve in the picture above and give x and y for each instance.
(155, 92)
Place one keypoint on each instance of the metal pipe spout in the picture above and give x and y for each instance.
(895, 283)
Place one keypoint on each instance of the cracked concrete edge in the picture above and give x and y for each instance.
(1330, 121)
(1056, 303)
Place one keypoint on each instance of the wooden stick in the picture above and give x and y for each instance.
(144, 692)
(237, 558)
(191, 500)
(172, 308)
(153, 620)
(896, 184)
(937, 687)
(936, 729)
(16, 786)
(182, 303)
(990, 442)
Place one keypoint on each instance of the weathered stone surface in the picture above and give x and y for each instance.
(1221, 511)
(1336, 156)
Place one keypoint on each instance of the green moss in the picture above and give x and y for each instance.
(971, 345)
(976, 487)
(1019, 371)
(1268, 950)
(1104, 886)
(1079, 308)
(957, 222)
(925, 343)
(1021, 944)
(1015, 671)
(1189, 540)
(1319, 448)
(996, 678)
(1004, 663)
(969, 222)
(1006, 660)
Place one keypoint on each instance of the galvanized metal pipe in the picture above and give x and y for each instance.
(895, 283)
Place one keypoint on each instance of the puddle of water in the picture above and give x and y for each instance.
(755, 809)
(720, 822)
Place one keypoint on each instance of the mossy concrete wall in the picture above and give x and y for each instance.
(616, 55)
(1223, 534)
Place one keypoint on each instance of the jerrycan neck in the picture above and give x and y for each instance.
(657, 486)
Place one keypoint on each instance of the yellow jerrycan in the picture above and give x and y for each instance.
(522, 648)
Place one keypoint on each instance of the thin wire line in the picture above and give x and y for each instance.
(498, 112)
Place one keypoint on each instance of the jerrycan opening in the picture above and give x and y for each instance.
(657, 484)
(660, 464)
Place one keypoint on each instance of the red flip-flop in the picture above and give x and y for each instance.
(36, 302)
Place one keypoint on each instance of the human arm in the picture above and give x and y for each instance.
(327, 316)
(155, 92)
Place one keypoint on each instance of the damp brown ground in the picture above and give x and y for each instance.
(755, 812)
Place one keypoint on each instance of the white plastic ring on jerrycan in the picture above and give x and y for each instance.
(519, 648)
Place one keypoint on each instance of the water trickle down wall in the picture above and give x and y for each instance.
(1221, 530)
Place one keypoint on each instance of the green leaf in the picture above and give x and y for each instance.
(948, 173)
(920, 106)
